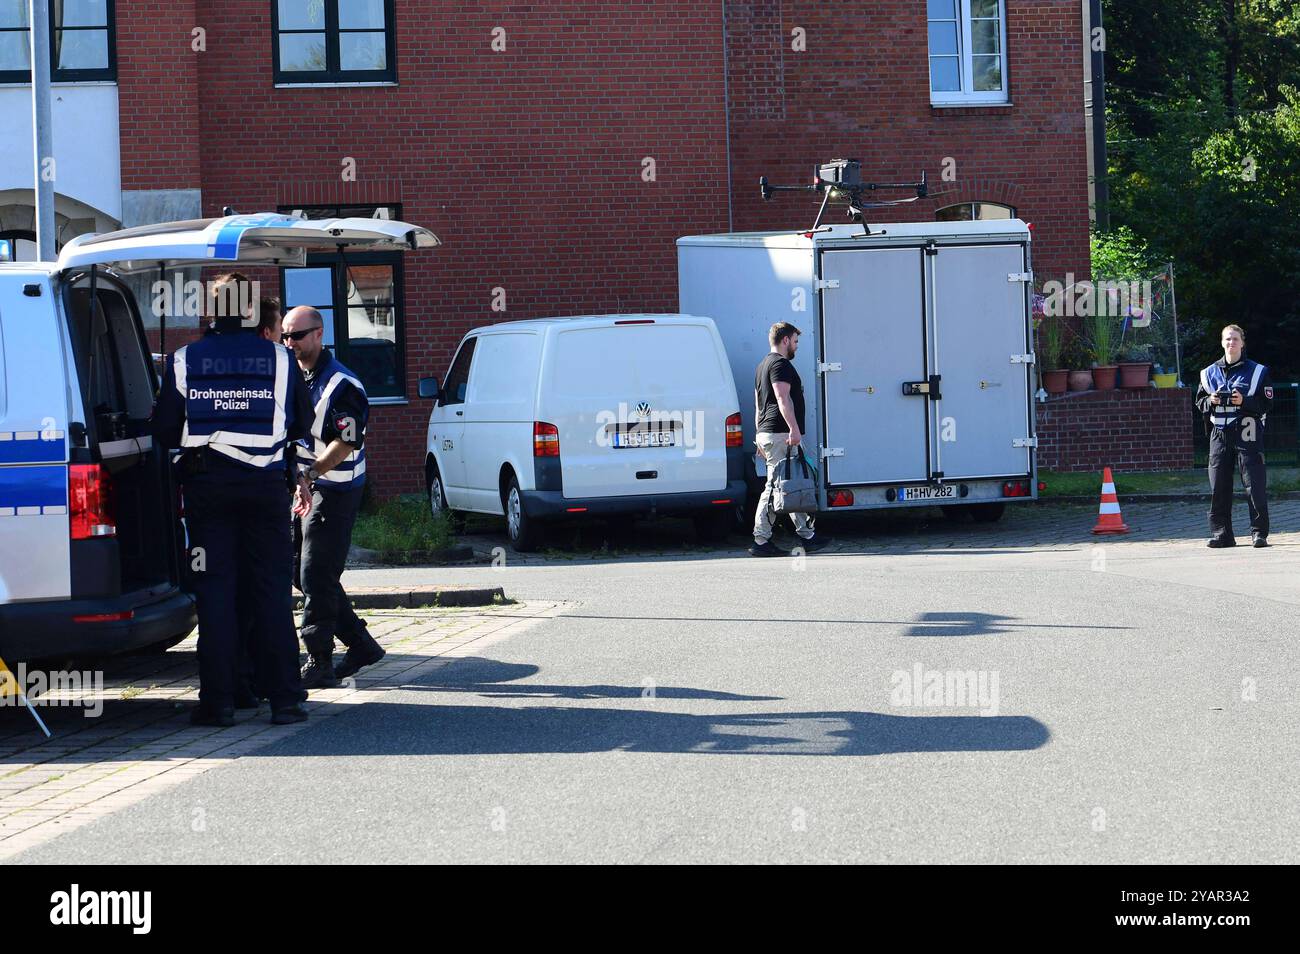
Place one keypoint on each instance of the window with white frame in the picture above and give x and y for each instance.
(968, 41)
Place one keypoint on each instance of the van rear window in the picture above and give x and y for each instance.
(642, 360)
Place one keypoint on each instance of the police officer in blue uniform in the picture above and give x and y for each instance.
(333, 459)
(1235, 395)
(233, 402)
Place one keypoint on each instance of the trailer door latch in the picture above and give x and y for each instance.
(928, 388)
(1025, 442)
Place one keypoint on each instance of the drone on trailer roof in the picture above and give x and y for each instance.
(840, 180)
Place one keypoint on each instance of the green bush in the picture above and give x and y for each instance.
(401, 525)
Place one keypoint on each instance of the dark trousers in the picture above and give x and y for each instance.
(323, 538)
(1228, 453)
(246, 549)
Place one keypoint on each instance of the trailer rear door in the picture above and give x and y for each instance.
(978, 340)
(873, 328)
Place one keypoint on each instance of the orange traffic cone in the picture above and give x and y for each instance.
(1108, 516)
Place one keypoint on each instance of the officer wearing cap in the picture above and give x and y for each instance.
(1235, 395)
(233, 402)
(334, 462)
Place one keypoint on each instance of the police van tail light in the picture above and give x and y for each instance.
(90, 503)
(546, 440)
(734, 437)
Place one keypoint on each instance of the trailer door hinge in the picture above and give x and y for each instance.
(1023, 358)
(824, 366)
(1020, 276)
(832, 452)
(821, 283)
(1025, 442)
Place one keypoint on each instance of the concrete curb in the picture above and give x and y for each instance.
(404, 597)
(360, 556)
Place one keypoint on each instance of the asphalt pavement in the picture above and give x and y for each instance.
(925, 692)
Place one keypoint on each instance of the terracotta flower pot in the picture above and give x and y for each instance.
(1080, 380)
(1056, 382)
(1103, 377)
(1134, 374)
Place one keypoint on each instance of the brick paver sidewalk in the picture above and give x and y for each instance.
(141, 741)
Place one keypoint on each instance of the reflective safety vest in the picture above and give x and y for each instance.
(324, 386)
(1245, 377)
(236, 389)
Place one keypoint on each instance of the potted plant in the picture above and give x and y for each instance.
(1101, 335)
(1051, 342)
(1135, 367)
(1079, 378)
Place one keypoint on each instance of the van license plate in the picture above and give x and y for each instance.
(927, 492)
(645, 439)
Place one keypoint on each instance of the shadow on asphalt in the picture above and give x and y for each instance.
(387, 728)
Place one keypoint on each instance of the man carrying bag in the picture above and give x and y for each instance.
(779, 412)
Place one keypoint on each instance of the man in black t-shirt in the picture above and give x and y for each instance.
(779, 416)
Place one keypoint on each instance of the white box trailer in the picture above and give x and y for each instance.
(916, 353)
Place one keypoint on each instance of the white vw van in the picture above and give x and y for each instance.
(600, 415)
(90, 544)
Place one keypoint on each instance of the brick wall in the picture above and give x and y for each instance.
(861, 90)
(528, 163)
(1127, 429)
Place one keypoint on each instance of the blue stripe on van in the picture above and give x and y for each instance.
(31, 450)
(33, 487)
(226, 243)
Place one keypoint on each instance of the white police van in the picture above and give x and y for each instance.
(90, 542)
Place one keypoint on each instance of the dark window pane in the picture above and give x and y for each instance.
(988, 73)
(945, 77)
(362, 51)
(302, 52)
(327, 335)
(308, 286)
(82, 50)
(956, 213)
(983, 8)
(943, 38)
(458, 377)
(82, 12)
(992, 210)
(13, 13)
(15, 51)
(941, 10)
(302, 14)
(361, 14)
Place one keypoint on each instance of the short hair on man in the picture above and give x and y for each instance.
(230, 295)
(782, 329)
(1237, 328)
(268, 313)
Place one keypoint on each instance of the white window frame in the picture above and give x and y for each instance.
(967, 94)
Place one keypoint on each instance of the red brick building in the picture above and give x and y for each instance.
(559, 149)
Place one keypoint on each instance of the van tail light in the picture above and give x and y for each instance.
(90, 502)
(840, 498)
(734, 437)
(546, 440)
(1015, 488)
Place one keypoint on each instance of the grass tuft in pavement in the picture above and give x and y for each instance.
(401, 525)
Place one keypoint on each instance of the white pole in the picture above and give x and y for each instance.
(43, 130)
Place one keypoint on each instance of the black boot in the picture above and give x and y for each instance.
(319, 672)
(364, 651)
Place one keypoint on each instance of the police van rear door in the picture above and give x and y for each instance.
(264, 238)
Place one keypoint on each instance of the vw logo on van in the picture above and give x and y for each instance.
(643, 410)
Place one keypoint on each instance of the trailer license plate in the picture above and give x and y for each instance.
(645, 438)
(927, 492)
